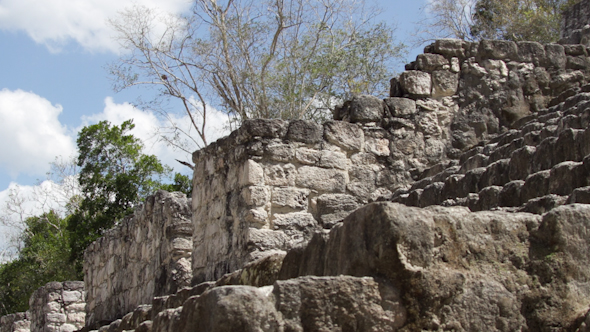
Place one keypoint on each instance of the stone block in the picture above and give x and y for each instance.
(401, 107)
(307, 156)
(454, 187)
(252, 174)
(531, 52)
(333, 159)
(429, 62)
(566, 176)
(489, 198)
(361, 109)
(266, 240)
(450, 47)
(280, 152)
(510, 194)
(67, 328)
(416, 83)
(304, 131)
(475, 161)
(521, 163)
(444, 83)
(498, 50)
(56, 318)
(554, 56)
(264, 128)
(334, 207)
(496, 174)
(377, 146)
(280, 175)
(322, 179)
(544, 155)
(348, 136)
(541, 205)
(580, 195)
(72, 296)
(536, 185)
(290, 197)
(256, 217)
(432, 194)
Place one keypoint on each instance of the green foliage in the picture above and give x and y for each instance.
(517, 20)
(181, 183)
(44, 258)
(115, 176)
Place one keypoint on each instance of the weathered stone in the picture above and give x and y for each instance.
(555, 56)
(265, 128)
(498, 50)
(377, 146)
(401, 107)
(304, 131)
(566, 176)
(416, 83)
(580, 195)
(348, 136)
(252, 174)
(432, 194)
(361, 109)
(280, 175)
(255, 195)
(309, 303)
(249, 308)
(510, 194)
(536, 185)
(280, 152)
(489, 198)
(430, 62)
(293, 198)
(321, 179)
(520, 165)
(450, 47)
(531, 52)
(334, 207)
(444, 83)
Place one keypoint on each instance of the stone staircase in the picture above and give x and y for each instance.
(543, 163)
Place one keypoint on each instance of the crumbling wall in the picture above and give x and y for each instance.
(493, 83)
(57, 307)
(145, 255)
(15, 323)
(573, 21)
(271, 184)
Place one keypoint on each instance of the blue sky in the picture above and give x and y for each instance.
(53, 79)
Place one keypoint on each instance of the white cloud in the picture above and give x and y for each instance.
(55, 23)
(147, 125)
(31, 133)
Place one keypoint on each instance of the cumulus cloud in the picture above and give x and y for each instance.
(148, 128)
(55, 23)
(31, 133)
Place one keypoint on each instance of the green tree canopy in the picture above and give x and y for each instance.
(44, 258)
(115, 176)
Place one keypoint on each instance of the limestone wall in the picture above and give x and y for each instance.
(271, 184)
(15, 323)
(575, 18)
(146, 255)
(57, 307)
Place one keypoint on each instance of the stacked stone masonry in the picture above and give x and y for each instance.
(146, 255)
(575, 19)
(15, 323)
(493, 125)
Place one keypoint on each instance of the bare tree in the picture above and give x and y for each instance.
(290, 59)
(446, 19)
(59, 192)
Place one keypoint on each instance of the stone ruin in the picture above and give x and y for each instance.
(461, 202)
